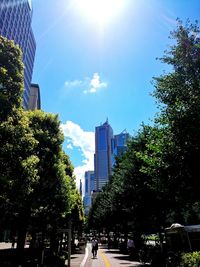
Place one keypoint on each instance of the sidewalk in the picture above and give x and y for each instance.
(105, 258)
(76, 259)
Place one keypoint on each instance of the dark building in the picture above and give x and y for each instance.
(89, 187)
(104, 157)
(15, 24)
(34, 98)
(107, 148)
(121, 143)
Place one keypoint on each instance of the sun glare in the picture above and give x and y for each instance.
(100, 11)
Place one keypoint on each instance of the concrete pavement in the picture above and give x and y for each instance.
(4, 245)
(8, 245)
(77, 259)
(105, 258)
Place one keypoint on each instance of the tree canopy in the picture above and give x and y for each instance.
(155, 183)
(11, 78)
(37, 186)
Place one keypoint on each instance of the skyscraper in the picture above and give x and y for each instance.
(34, 98)
(15, 24)
(121, 143)
(103, 158)
(89, 187)
(89, 182)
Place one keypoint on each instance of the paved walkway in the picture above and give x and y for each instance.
(8, 245)
(77, 259)
(105, 258)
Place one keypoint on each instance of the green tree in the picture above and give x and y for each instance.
(37, 187)
(135, 194)
(51, 196)
(156, 181)
(100, 215)
(55, 198)
(178, 93)
(127, 202)
(11, 78)
(18, 173)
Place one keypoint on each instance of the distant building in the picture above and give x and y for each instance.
(94, 195)
(89, 187)
(89, 182)
(34, 98)
(121, 143)
(107, 148)
(104, 151)
(87, 202)
(80, 189)
(15, 24)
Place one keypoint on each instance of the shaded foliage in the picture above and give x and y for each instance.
(155, 183)
(11, 78)
(37, 186)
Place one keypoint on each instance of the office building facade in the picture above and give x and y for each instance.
(15, 24)
(121, 143)
(107, 148)
(103, 158)
(89, 182)
(34, 98)
(89, 187)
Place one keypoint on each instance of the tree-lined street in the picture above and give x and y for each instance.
(155, 183)
(150, 207)
(107, 258)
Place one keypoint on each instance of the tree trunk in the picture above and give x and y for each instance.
(20, 244)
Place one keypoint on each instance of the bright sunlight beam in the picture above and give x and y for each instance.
(100, 11)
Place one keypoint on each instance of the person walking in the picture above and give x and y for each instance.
(131, 247)
(94, 247)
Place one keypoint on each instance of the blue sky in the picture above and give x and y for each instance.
(89, 71)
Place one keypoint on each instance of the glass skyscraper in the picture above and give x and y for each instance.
(121, 143)
(89, 187)
(103, 159)
(89, 182)
(15, 24)
(107, 148)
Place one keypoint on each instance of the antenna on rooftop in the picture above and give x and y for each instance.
(124, 131)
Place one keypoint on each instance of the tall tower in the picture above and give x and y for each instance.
(15, 24)
(89, 182)
(121, 143)
(34, 98)
(103, 158)
(89, 187)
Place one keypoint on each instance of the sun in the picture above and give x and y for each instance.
(100, 11)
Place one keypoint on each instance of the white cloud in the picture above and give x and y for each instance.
(88, 85)
(75, 83)
(95, 84)
(69, 146)
(83, 140)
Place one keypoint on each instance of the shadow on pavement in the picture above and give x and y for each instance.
(113, 251)
(129, 261)
(73, 257)
(78, 252)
